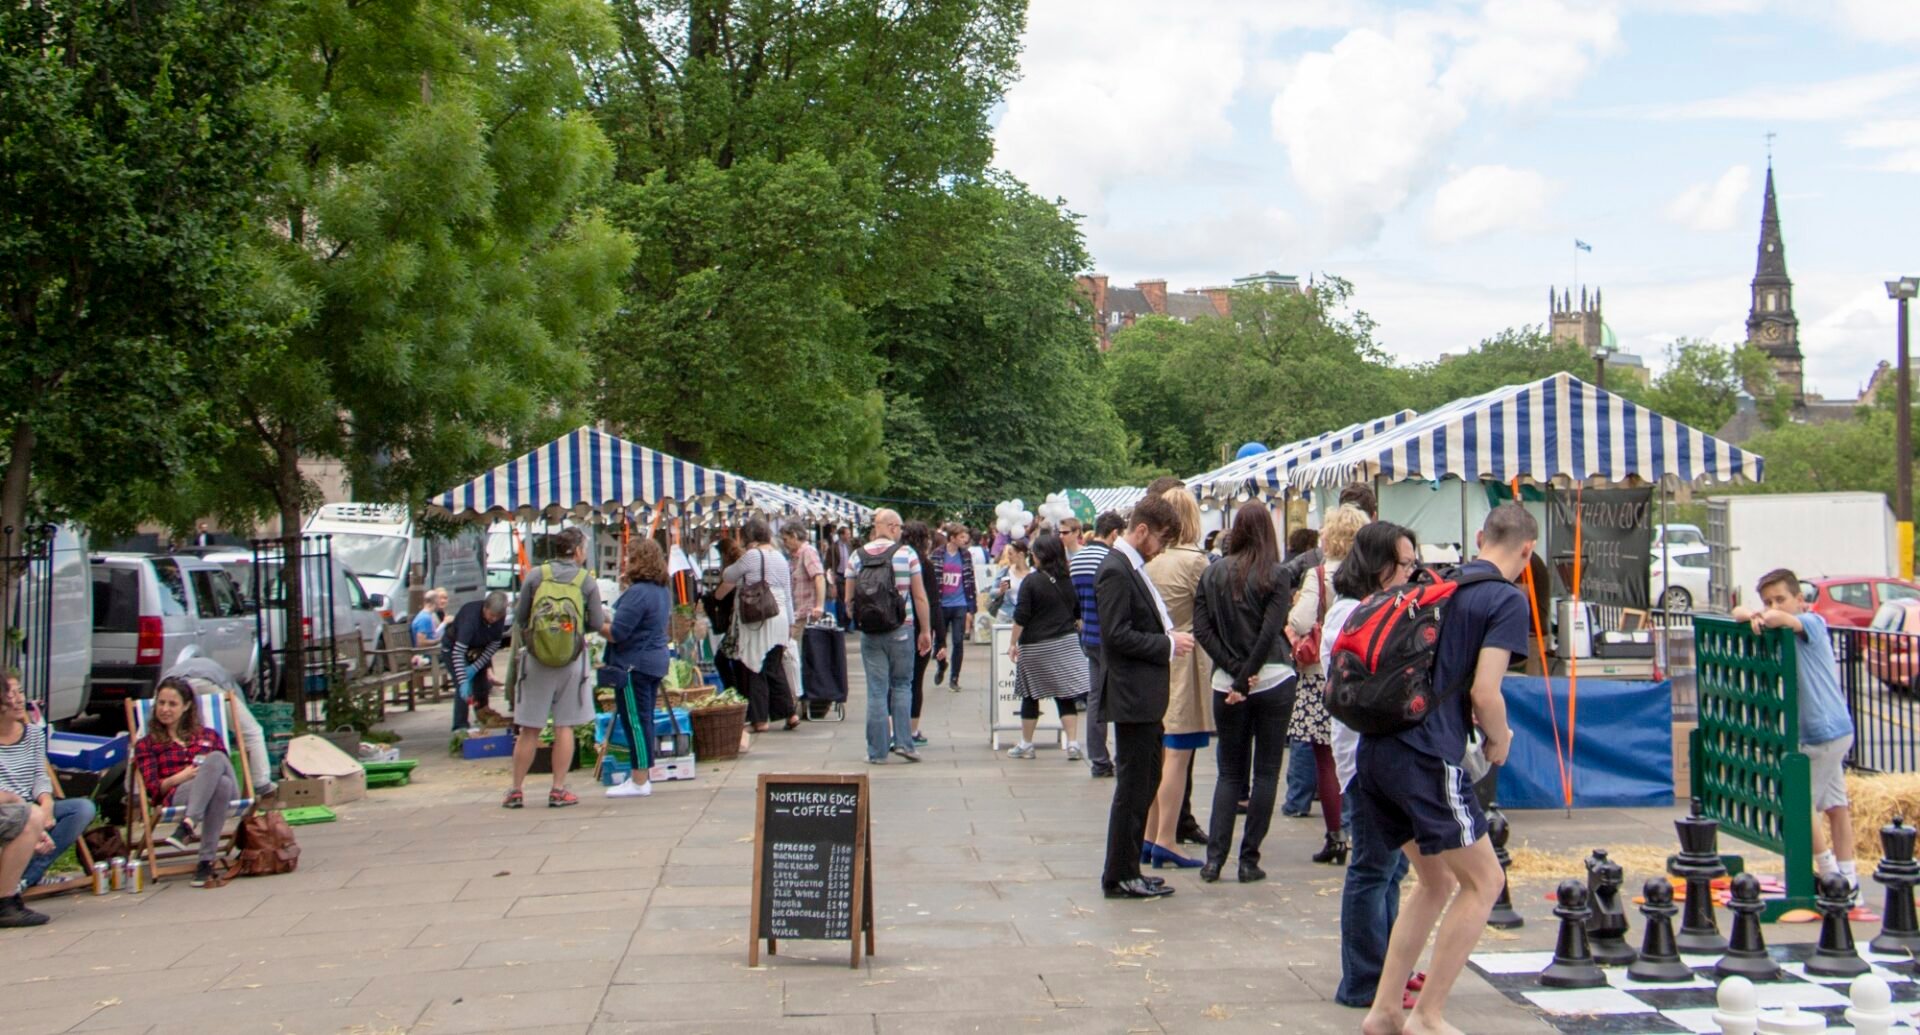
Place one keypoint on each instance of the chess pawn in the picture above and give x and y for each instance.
(1898, 873)
(1791, 1020)
(1572, 965)
(1503, 915)
(1607, 927)
(1872, 1009)
(1659, 956)
(1747, 948)
(1835, 956)
(1739, 1007)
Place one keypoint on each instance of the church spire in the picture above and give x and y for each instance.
(1770, 264)
(1771, 323)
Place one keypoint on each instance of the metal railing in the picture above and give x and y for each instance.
(314, 643)
(26, 608)
(1879, 676)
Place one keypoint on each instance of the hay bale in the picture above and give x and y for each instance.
(1534, 865)
(1875, 800)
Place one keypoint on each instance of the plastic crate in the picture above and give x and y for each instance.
(308, 814)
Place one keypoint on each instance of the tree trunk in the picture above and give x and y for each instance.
(293, 672)
(13, 517)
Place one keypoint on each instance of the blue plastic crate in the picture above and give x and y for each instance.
(78, 751)
(493, 745)
(612, 772)
(663, 726)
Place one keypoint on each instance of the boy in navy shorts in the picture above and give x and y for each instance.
(1414, 787)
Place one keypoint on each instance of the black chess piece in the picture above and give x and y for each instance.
(1607, 926)
(1503, 916)
(1659, 956)
(1572, 965)
(1898, 873)
(1698, 863)
(1747, 949)
(1836, 955)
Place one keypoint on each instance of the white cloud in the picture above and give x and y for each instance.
(1489, 198)
(1193, 252)
(1853, 97)
(1712, 205)
(1365, 121)
(1882, 21)
(1899, 137)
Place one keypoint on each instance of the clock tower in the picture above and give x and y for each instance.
(1771, 325)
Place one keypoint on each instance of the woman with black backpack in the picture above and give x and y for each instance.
(1240, 620)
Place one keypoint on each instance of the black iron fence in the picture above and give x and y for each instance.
(1880, 678)
(26, 608)
(296, 665)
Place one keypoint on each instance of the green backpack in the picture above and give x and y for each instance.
(557, 622)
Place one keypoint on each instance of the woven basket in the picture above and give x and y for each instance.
(716, 732)
(679, 696)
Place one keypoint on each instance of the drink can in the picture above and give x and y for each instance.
(136, 876)
(119, 872)
(101, 882)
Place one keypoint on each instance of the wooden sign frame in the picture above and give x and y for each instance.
(861, 926)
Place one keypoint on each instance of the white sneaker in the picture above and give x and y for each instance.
(1020, 751)
(1073, 751)
(629, 789)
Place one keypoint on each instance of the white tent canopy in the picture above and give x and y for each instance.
(1265, 474)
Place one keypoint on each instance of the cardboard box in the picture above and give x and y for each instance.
(678, 768)
(304, 791)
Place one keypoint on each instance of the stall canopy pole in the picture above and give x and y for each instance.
(1573, 657)
(1465, 542)
(1540, 651)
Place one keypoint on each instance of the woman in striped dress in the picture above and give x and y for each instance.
(1047, 661)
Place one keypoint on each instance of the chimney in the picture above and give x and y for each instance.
(1218, 296)
(1156, 292)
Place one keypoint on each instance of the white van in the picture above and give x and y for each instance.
(377, 542)
(70, 633)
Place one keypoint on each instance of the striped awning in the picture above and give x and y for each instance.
(1557, 430)
(1119, 500)
(1265, 474)
(587, 471)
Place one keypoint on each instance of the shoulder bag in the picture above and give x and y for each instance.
(757, 602)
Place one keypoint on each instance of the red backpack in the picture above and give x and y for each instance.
(1380, 670)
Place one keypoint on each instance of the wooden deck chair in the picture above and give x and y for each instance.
(85, 877)
(216, 713)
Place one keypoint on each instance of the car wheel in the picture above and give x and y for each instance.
(1676, 598)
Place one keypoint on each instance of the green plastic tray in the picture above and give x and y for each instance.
(388, 780)
(306, 815)
(404, 766)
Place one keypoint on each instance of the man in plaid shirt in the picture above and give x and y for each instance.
(1086, 565)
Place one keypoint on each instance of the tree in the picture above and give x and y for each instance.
(1702, 384)
(433, 270)
(788, 170)
(134, 139)
(1517, 355)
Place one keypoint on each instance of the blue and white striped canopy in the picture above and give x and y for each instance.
(1265, 474)
(1558, 430)
(1119, 500)
(587, 470)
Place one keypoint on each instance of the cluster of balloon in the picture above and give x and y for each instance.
(1012, 518)
(1055, 509)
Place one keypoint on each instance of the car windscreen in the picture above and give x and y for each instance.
(116, 599)
(370, 556)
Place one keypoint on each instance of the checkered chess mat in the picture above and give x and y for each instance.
(1624, 1007)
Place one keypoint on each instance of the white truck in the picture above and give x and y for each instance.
(378, 543)
(1814, 534)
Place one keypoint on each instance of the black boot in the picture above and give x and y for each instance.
(14, 913)
(1333, 852)
(1250, 870)
(1210, 871)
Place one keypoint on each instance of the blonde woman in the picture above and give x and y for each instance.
(1310, 721)
(1175, 573)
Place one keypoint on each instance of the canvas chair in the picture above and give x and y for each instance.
(216, 713)
(85, 878)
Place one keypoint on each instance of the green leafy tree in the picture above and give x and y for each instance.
(134, 140)
(1514, 356)
(1702, 384)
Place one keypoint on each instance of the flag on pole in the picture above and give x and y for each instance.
(1582, 245)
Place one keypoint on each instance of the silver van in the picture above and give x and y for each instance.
(151, 612)
(54, 626)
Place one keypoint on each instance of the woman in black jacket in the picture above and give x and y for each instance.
(1239, 619)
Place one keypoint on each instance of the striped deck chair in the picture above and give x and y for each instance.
(216, 713)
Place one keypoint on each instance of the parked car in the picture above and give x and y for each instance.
(150, 612)
(355, 611)
(1678, 536)
(1678, 579)
(1851, 600)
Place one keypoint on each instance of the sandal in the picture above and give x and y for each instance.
(560, 798)
(514, 799)
(793, 722)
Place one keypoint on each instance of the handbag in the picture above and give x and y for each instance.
(757, 602)
(1307, 650)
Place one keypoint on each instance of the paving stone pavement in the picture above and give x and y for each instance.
(429, 909)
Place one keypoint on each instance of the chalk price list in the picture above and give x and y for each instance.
(812, 887)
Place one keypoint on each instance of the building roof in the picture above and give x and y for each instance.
(1770, 262)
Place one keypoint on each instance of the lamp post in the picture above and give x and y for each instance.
(1902, 291)
(1600, 354)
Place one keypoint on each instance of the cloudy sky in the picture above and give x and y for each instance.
(1444, 156)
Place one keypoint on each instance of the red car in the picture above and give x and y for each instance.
(1850, 601)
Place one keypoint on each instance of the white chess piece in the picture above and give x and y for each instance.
(1872, 1009)
(1739, 1012)
(1790, 1021)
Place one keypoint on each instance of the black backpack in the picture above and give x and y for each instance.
(1380, 670)
(877, 607)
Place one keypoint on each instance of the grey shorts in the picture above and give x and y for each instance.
(1826, 763)
(13, 820)
(563, 695)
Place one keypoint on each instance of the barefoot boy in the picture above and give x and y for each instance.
(1826, 732)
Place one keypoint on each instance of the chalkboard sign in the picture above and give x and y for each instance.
(1616, 537)
(812, 862)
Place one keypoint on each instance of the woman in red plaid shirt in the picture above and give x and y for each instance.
(182, 761)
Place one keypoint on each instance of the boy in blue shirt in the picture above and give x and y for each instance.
(1826, 731)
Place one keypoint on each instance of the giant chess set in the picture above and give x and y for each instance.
(1698, 980)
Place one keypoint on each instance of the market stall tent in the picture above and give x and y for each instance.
(589, 471)
(1119, 500)
(1265, 474)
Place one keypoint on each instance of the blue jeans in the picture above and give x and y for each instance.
(887, 659)
(70, 819)
(1301, 779)
(955, 624)
(1369, 905)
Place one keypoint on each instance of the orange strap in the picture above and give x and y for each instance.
(1573, 661)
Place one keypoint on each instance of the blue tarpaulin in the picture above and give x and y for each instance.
(1622, 754)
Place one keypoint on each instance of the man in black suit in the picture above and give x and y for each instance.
(1137, 643)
